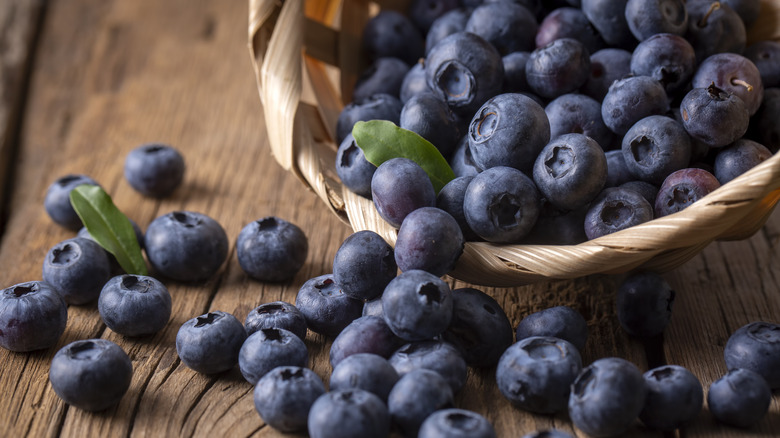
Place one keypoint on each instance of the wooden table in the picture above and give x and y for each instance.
(85, 81)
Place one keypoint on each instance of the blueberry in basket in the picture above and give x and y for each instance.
(210, 343)
(609, 18)
(568, 22)
(737, 158)
(383, 76)
(430, 240)
(766, 57)
(276, 314)
(154, 169)
(682, 188)
(632, 99)
(364, 264)
(284, 396)
(508, 26)
(57, 200)
(450, 199)
(606, 66)
(560, 67)
(654, 147)
(714, 116)
(414, 83)
(647, 18)
(424, 13)
(667, 58)
(392, 34)
(451, 22)
(375, 107)
(432, 119)
(271, 249)
(400, 186)
(77, 268)
(578, 113)
(354, 171)
(32, 316)
(514, 72)
(135, 305)
(616, 209)
(734, 74)
(714, 27)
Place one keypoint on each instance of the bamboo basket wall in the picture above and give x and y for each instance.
(306, 57)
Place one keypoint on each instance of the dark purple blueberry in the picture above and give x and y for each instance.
(630, 100)
(383, 76)
(501, 204)
(450, 199)
(736, 159)
(376, 107)
(578, 114)
(416, 396)
(766, 57)
(392, 34)
(363, 265)
(479, 329)
(570, 171)
(763, 126)
(437, 356)
(713, 27)
(714, 116)
(461, 162)
(667, 58)
(568, 23)
(57, 200)
(154, 169)
(456, 423)
(366, 334)
(617, 170)
(748, 10)
(616, 209)
(644, 304)
(77, 268)
(267, 349)
(352, 413)
(606, 66)
(366, 371)
(508, 26)
(609, 18)
(557, 227)
(560, 67)
(654, 147)
(91, 374)
(325, 306)
(400, 186)
(514, 72)
(646, 18)
(353, 169)
(32, 316)
(430, 240)
(464, 70)
(548, 433)
(741, 398)
(186, 246)
(756, 347)
(276, 314)
(414, 82)
(135, 305)
(271, 249)
(284, 396)
(451, 22)
(210, 343)
(647, 190)
(560, 322)
(606, 397)
(424, 12)
(417, 305)
(535, 374)
(682, 188)
(674, 398)
(432, 119)
(508, 130)
(734, 74)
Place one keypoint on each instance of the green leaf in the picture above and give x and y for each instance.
(382, 140)
(110, 228)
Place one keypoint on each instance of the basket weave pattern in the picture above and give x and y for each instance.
(292, 43)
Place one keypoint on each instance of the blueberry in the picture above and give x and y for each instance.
(424, 12)
(748, 10)
(508, 26)
(400, 186)
(764, 126)
(734, 74)
(461, 162)
(417, 395)
(32, 316)
(737, 158)
(514, 72)
(617, 170)
(682, 188)
(568, 23)
(560, 67)
(431, 118)
(134, 305)
(630, 100)
(271, 249)
(325, 306)
(267, 349)
(578, 113)
(437, 356)
(77, 268)
(450, 199)
(557, 227)
(352, 413)
(456, 423)
(647, 18)
(714, 116)
(417, 305)
(713, 27)
(667, 58)
(644, 304)
(765, 55)
(429, 240)
(560, 322)
(354, 171)
(607, 397)
(376, 107)
(616, 209)
(277, 314)
(655, 147)
(210, 343)
(57, 200)
(414, 82)
(741, 398)
(535, 373)
(451, 22)
(186, 246)
(154, 169)
(548, 433)
(366, 334)
(91, 374)
(391, 34)
(284, 396)
(606, 66)
(674, 398)
(756, 347)
(373, 308)
(383, 76)
(609, 18)
(366, 371)
(647, 190)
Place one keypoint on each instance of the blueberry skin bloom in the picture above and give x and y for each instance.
(631, 99)
(739, 157)
(655, 147)
(186, 246)
(32, 316)
(352, 413)
(713, 30)
(607, 397)
(682, 188)
(570, 171)
(560, 67)
(456, 423)
(77, 268)
(154, 169)
(501, 204)
(284, 396)
(366, 371)
(267, 349)
(560, 322)
(135, 305)
(57, 200)
(535, 373)
(363, 265)
(674, 398)
(646, 18)
(615, 209)
(509, 130)
(578, 113)
(416, 396)
(210, 343)
(667, 58)
(367, 334)
(276, 314)
(325, 306)
(741, 398)
(417, 305)
(644, 304)
(437, 356)
(450, 199)
(400, 186)
(568, 22)
(91, 374)
(714, 116)
(509, 27)
(756, 347)
(271, 249)
(429, 240)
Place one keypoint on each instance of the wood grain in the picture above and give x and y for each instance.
(110, 75)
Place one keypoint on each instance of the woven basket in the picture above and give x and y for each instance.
(305, 71)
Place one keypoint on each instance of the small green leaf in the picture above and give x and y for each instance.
(382, 140)
(110, 228)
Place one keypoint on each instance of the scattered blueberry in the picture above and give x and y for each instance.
(32, 316)
(364, 264)
(77, 268)
(432, 355)
(352, 413)
(210, 343)
(674, 398)
(284, 396)
(400, 186)
(456, 423)
(741, 398)
(154, 169)
(325, 306)
(560, 322)
(366, 371)
(134, 305)
(267, 349)
(367, 334)
(644, 304)
(417, 305)
(276, 314)
(271, 249)
(57, 200)
(756, 347)
(417, 395)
